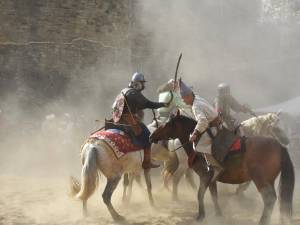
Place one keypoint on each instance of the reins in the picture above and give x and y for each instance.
(181, 146)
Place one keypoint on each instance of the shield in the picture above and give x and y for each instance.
(118, 107)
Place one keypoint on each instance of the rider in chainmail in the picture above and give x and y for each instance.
(126, 108)
(225, 102)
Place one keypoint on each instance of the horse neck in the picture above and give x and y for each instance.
(186, 130)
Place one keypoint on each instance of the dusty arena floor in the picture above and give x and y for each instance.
(44, 200)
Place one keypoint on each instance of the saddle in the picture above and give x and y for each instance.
(226, 142)
(127, 129)
(111, 125)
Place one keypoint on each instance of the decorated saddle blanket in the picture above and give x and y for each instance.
(118, 141)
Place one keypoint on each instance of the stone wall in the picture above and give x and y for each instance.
(47, 45)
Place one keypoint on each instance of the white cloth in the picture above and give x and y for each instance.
(204, 113)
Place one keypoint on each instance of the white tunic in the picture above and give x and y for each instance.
(204, 113)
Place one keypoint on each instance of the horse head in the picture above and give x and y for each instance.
(177, 126)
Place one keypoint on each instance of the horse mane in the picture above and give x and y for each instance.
(187, 120)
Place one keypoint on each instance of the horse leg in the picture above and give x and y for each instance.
(190, 179)
(131, 178)
(242, 187)
(84, 208)
(108, 191)
(204, 182)
(214, 195)
(176, 178)
(269, 198)
(125, 186)
(137, 177)
(149, 185)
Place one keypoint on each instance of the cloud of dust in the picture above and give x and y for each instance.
(245, 44)
(231, 41)
(242, 43)
(45, 138)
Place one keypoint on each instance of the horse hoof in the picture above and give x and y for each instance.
(85, 214)
(175, 199)
(200, 218)
(119, 218)
(152, 204)
(219, 214)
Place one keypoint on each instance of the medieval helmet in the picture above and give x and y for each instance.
(137, 81)
(184, 89)
(138, 77)
(223, 89)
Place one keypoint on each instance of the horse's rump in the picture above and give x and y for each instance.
(118, 142)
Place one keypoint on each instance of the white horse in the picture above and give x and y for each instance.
(263, 125)
(97, 156)
(175, 166)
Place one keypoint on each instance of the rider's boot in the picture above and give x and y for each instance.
(147, 164)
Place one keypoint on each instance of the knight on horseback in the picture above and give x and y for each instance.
(226, 102)
(126, 108)
(208, 123)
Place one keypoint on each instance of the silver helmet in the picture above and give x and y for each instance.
(138, 77)
(137, 81)
(223, 89)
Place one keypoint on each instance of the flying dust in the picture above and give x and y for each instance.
(64, 63)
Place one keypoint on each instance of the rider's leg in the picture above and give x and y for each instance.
(147, 164)
(146, 145)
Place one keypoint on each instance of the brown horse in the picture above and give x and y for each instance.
(262, 161)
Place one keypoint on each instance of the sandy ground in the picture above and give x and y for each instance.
(44, 200)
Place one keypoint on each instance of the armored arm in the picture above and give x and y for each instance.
(141, 102)
(236, 106)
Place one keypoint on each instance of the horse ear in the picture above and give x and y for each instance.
(279, 112)
(178, 112)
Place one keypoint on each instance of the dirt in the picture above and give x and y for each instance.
(35, 199)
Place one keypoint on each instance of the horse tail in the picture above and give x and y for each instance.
(89, 176)
(286, 185)
(172, 164)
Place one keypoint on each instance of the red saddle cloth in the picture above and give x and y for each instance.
(119, 142)
(236, 146)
